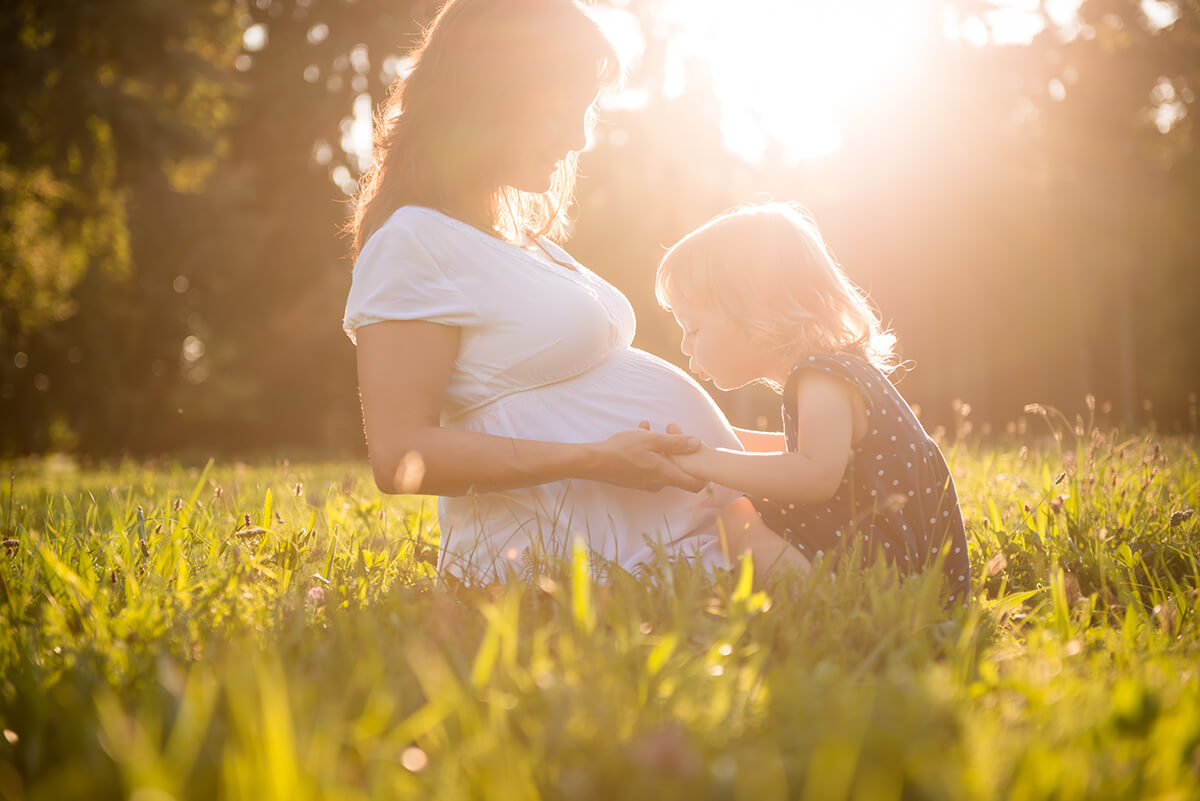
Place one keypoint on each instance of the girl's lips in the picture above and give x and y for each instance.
(703, 376)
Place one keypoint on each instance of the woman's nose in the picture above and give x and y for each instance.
(574, 138)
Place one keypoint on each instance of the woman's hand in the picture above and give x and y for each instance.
(691, 462)
(642, 459)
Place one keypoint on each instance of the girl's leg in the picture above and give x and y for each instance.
(746, 531)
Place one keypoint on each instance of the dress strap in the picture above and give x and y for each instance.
(853, 369)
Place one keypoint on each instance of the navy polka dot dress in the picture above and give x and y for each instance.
(897, 499)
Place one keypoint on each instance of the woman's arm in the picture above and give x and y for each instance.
(761, 441)
(825, 423)
(403, 371)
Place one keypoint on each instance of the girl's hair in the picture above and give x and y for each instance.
(436, 131)
(768, 267)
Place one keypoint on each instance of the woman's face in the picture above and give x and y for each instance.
(548, 125)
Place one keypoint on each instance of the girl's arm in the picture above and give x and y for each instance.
(403, 371)
(825, 423)
(761, 441)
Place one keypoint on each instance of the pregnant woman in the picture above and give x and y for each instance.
(495, 370)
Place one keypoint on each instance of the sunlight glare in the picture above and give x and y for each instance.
(622, 28)
(1013, 25)
(784, 72)
(1159, 13)
(356, 141)
(1062, 13)
(254, 38)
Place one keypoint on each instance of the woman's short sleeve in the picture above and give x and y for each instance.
(397, 278)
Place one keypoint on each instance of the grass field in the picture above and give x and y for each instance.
(276, 632)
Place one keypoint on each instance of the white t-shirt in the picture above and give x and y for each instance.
(545, 354)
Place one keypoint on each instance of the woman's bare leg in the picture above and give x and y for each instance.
(746, 531)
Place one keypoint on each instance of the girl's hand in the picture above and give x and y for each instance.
(641, 459)
(693, 463)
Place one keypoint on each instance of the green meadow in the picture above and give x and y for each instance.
(277, 631)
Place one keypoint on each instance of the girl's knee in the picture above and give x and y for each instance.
(745, 531)
(738, 518)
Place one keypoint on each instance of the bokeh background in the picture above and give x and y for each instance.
(1016, 183)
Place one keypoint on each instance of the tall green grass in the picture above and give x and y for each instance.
(278, 632)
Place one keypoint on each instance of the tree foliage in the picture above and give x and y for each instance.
(98, 101)
(91, 95)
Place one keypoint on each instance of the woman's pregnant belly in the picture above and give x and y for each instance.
(486, 534)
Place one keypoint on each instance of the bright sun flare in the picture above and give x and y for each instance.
(790, 74)
(786, 71)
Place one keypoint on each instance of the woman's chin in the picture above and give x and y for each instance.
(535, 184)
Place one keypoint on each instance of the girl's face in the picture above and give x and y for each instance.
(718, 348)
(549, 124)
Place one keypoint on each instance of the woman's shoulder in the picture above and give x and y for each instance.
(420, 223)
(406, 270)
(423, 233)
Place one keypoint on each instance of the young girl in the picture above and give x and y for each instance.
(759, 296)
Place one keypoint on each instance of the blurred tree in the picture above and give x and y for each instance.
(1119, 163)
(279, 368)
(94, 100)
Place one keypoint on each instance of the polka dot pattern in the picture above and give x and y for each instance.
(905, 509)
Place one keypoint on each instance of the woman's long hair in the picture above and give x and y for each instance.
(436, 133)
